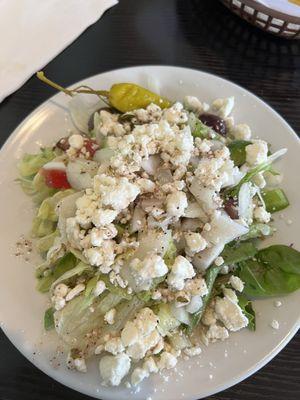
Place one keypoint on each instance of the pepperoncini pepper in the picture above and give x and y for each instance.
(122, 96)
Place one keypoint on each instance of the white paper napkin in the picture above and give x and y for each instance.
(33, 32)
(289, 7)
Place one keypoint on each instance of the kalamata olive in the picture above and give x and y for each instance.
(230, 208)
(214, 122)
(91, 120)
(63, 144)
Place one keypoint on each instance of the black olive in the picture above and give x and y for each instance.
(230, 208)
(214, 122)
(63, 144)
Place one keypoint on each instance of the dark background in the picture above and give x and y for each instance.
(199, 34)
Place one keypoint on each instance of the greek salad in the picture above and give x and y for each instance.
(151, 218)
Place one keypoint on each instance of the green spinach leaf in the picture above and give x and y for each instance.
(236, 253)
(284, 257)
(210, 278)
(246, 306)
(274, 271)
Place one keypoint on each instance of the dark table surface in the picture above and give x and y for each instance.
(199, 34)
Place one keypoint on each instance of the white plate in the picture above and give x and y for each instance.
(21, 307)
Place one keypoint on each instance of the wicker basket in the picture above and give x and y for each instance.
(265, 18)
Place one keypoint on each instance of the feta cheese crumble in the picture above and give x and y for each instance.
(277, 303)
(257, 152)
(76, 141)
(109, 317)
(242, 132)
(262, 215)
(114, 368)
(181, 270)
(275, 324)
(236, 283)
(195, 242)
(224, 107)
(230, 314)
(176, 204)
(143, 272)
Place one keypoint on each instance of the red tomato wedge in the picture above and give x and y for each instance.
(91, 146)
(55, 178)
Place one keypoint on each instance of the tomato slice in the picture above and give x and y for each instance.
(56, 178)
(91, 146)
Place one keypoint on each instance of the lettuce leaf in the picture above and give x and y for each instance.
(126, 311)
(238, 252)
(115, 289)
(44, 223)
(30, 164)
(36, 188)
(44, 243)
(91, 285)
(46, 275)
(246, 306)
(275, 270)
(210, 277)
(49, 319)
(198, 129)
(75, 320)
(71, 273)
(42, 227)
(275, 200)
(167, 321)
(237, 150)
(171, 253)
(47, 208)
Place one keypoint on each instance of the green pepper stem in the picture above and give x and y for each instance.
(87, 89)
(71, 92)
(44, 79)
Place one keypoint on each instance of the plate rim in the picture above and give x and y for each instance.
(293, 330)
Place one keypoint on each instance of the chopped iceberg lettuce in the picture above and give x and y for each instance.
(125, 311)
(44, 223)
(47, 275)
(71, 273)
(75, 320)
(198, 129)
(167, 321)
(90, 286)
(171, 253)
(210, 279)
(122, 292)
(42, 227)
(49, 319)
(47, 208)
(36, 188)
(44, 243)
(31, 163)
